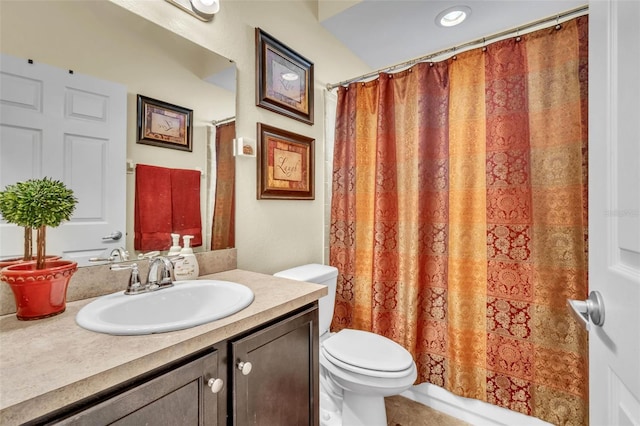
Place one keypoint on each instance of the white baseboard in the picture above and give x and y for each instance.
(471, 411)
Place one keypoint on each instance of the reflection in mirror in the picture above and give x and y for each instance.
(104, 41)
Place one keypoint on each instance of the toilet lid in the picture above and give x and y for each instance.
(359, 351)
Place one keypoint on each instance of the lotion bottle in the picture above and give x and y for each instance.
(187, 268)
(175, 246)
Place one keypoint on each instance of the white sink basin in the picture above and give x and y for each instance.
(185, 305)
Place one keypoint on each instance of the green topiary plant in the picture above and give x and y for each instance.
(36, 204)
(8, 209)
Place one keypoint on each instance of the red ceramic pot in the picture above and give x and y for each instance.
(39, 293)
(10, 261)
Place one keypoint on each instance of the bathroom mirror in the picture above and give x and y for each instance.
(103, 40)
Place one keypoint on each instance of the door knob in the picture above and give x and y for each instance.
(115, 236)
(215, 385)
(245, 367)
(588, 311)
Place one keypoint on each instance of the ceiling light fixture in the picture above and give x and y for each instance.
(201, 9)
(453, 16)
(205, 8)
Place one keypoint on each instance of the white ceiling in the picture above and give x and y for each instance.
(386, 32)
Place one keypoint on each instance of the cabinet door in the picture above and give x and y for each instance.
(178, 397)
(281, 387)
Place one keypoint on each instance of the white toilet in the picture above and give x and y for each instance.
(364, 367)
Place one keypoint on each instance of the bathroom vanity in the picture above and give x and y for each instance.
(258, 365)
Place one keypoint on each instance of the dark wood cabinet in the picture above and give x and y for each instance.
(281, 387)
(269, 376)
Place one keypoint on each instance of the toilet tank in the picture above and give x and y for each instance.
(318, 274)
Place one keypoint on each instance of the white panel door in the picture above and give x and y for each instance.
(72, 128)
(614, 213)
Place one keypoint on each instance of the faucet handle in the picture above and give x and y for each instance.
(122, 266)
(149, 255)
(134, 286)
(102, 259)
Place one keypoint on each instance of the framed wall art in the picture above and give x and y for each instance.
(163, 124)
(285, 165)
(284, 79)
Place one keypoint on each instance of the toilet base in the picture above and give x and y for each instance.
(363, 410)
(330, 401)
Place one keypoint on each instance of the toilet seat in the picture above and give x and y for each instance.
(367, 353)
(370, 383)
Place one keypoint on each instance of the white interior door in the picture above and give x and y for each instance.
(72, 128)
(614, 213)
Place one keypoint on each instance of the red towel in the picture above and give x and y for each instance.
(152, 216)
(185, 202)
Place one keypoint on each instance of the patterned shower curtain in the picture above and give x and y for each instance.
(459, 219)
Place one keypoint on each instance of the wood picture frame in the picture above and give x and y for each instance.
(164, 124)
(284, 79)
(285, 165)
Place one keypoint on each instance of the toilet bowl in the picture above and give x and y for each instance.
(364, 367)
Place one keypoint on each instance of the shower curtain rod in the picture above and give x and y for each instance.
(518, 31)
(223, 120)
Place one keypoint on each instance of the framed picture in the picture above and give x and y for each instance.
(163, 124)
(285, 164)
(284, 79)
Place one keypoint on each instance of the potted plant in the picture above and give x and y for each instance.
(39, 287)
(7, 197)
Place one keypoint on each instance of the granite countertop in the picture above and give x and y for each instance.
(53, 362)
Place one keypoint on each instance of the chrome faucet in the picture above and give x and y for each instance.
(162, 266)
(119, 254)
(160, 275)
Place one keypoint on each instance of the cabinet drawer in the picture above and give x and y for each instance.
(178, 397)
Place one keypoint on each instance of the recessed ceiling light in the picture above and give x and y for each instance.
(453, 16)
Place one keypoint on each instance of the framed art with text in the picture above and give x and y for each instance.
(285, 165)
(163, 124)
(284, 79)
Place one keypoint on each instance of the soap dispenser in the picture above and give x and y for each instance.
(175, 246)
(187, 268)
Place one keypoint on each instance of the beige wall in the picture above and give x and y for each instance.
(271, 234)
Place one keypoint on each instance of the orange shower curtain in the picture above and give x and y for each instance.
(459, 219)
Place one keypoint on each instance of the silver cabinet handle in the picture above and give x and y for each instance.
(215, 385)
(588, 311)
(115, 236)
(245, 367)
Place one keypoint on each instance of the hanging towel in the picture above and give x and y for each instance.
(152, 216)
(223, 227)
(185, 202)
